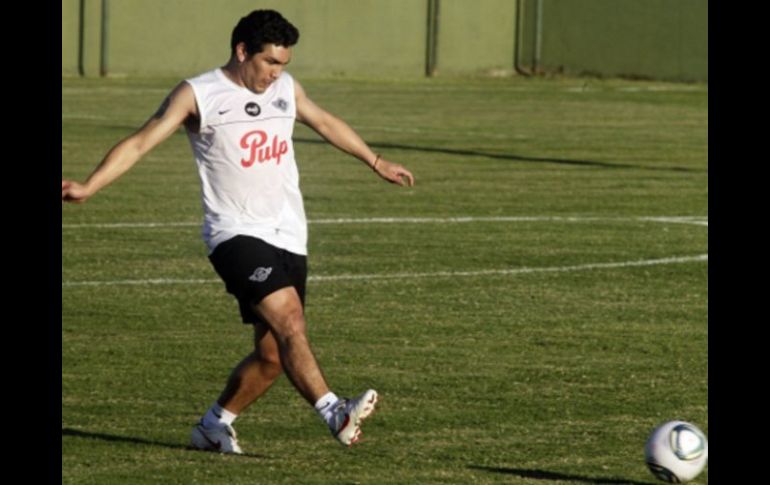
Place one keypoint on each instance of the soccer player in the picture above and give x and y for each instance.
(239, 119)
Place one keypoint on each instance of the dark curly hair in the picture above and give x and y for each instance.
(263, 27)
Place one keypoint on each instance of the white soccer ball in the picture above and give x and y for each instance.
(676, 451)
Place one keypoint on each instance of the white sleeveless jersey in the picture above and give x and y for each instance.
(245, 156)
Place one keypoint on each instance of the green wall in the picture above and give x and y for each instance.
(661, 39)
(81, 37)
(339, 37)
(477, 36)
(70, 36)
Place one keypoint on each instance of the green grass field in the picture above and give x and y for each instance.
(536, 341)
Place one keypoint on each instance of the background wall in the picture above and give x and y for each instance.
(70, 36)
(336, 36)
(657, 39)
(662, 39)
(475, 36)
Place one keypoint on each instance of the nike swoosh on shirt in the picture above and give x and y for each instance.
(223, 111)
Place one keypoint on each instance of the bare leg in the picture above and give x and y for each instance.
(254, 375)
(283, 312)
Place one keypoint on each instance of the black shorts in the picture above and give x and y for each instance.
(252, 269)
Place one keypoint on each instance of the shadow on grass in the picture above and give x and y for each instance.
(512, 157)
(546, 475)
(132, 439)
(496, 156)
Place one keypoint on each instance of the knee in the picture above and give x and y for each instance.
(282, 310)
(291, 325)
(271, 366)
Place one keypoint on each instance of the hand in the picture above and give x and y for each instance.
(394, 173)
(73, 192)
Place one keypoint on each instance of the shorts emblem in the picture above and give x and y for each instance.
(260, 274)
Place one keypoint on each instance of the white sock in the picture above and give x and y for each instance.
(325, 406)
(217, 417)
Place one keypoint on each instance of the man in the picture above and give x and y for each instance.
(239, 119)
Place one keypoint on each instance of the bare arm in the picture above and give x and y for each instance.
(175, 109)
(341, 135)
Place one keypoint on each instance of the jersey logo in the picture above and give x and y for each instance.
(252, 109)
(281, 104)
(260, 151)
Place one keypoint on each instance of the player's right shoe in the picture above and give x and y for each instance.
(222, 440)
(345, 424)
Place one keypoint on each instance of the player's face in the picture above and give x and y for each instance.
(260, 70)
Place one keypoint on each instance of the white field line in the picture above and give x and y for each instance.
(435, 274)
(701, 221)
(515, 271)
(130, 225)
(698, 221)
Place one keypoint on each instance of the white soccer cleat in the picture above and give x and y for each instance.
(346, 421)
(222, 440)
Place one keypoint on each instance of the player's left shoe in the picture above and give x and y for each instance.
(222, 439)
(345, 424)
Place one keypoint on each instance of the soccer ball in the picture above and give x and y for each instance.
(676, 451)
